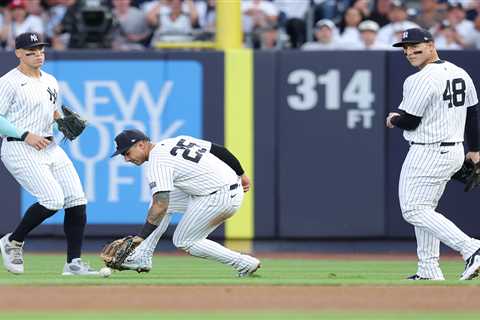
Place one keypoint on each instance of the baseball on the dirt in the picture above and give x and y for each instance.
(105, 272)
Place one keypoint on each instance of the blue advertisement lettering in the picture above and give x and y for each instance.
(161, 98)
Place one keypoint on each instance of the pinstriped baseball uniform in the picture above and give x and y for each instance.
(440, 94)
(201, 186)
(49, 175)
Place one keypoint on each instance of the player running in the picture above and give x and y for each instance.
(439, 103)
(201, 179)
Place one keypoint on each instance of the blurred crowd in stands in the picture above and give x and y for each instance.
(267, 24)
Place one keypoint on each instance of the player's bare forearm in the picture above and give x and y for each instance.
(159, 207)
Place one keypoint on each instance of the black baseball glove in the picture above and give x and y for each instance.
(115, 253)
(71, 125)
(469, 174)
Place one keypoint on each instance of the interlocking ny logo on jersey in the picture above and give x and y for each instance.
(53, 95)
(33, 38)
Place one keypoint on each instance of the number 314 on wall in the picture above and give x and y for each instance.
(358, 91)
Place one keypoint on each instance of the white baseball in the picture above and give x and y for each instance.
(105, 272)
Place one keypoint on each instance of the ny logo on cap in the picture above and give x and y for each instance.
(405, 35)
(33, 38)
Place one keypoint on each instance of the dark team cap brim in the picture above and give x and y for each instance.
(34, 45)
(120, 151)
(400, 44)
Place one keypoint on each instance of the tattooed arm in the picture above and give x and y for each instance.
(156, 213)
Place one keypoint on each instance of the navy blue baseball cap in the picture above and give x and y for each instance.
(128, 138)
(29, 40)
(414, 35)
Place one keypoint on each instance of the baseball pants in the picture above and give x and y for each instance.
(424, 176)
(48, 174)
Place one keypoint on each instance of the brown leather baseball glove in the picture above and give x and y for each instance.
(115, 253)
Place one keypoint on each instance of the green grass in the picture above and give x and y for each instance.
(185, 270)
(241, 316)
(43, 270)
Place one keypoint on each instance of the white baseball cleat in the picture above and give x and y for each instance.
(78, 268)
(248, 266)
(138, 261)
(12, 254)
(472, 267)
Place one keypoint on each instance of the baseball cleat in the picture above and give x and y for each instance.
(250, 266)
(416, 277)
(140, 263)
(78, 268)
(472, 267)
(12, 254)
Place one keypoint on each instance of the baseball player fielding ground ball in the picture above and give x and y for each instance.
(439, 106)
(202, 180)
(29, 108)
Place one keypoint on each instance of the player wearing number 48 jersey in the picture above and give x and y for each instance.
(439, 107)
(202, 180)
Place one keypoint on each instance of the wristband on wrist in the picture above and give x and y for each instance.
(147, 230)
(24, 135)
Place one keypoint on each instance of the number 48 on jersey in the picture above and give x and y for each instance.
(455, 92)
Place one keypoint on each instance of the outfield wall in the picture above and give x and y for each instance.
(322, 161)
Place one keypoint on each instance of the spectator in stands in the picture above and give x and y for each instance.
(349, 34)
(189, 8)
(292, 15)
(325, 37)
(476, 33)
(34, 7)
(368, 34)
(431, 14)
(364, 7)
(55, 12)
(330, 9)
(398, 20)
(446, 37)
(465, 28)
(134, 30)
(257, 14)
(269, 37)
(473, 10)
(18, 21)
(172, 25)
(208, 24)
(380, 13)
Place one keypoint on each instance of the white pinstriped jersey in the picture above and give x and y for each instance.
(440, 93)
(28, 103)
(186, 163)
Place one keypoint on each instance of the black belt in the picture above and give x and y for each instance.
(232, 187)
(18, 139)
(442, 144)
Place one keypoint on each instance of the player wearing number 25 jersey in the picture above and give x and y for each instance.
(202, 180)
(439, 103)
